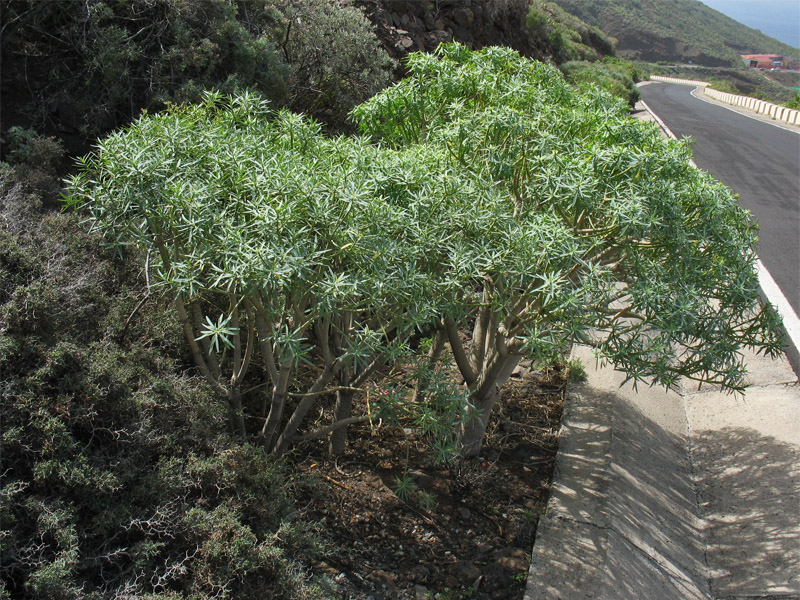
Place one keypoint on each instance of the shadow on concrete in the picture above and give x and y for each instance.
(622, 519)
(658, 539)
(749, 488)
(629, 518)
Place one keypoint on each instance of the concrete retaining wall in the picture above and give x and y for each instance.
(676, 80)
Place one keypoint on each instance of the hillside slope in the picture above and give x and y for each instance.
(674, 30)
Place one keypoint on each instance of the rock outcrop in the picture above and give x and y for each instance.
(405, 26)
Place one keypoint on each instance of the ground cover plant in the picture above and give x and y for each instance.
(117, 479)
(489, 213)
(615, 75)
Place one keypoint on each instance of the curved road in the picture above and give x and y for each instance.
(759, 161)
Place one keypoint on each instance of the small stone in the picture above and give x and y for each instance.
(464, 512)
(421, 478)
(513, 559)
(464, 17)
(419, 573)
(462, 34)
(465, 571)
(519, 372)
(438, 36)
(384, 579)
(420, 592)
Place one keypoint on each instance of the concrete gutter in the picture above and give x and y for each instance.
(673, 495)
(687, 494)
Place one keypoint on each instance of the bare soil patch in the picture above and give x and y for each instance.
(460, 530)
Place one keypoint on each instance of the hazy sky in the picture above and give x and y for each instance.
(777, 18)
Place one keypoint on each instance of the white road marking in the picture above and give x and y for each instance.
(732, 108)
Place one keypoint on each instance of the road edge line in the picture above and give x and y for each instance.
(791, 322)
(661, 123)
(770, 289)
(733, 108)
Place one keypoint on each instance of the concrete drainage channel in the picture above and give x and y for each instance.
(674, 495)
(664, 495)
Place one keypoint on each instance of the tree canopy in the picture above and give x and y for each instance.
(488, 207)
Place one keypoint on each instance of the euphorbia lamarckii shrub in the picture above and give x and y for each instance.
(600, 231)
(489, 206)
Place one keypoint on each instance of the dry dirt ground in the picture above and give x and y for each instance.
(461, 530)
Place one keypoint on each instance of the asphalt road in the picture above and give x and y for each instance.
(759, 161)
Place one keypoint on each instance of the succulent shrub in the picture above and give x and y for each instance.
(488, 205)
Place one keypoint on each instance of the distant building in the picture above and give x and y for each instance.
(769, 61)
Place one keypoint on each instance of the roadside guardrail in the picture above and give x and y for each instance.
(677, 80)
(777, 112)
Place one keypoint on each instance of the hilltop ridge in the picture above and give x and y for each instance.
(675, 30)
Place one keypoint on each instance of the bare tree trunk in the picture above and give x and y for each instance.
(290, 429)
(343, 410)
(473, 430)
(484, 397)
(236, 413)
(344, 398)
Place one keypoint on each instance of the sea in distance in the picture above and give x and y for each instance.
(776, 18)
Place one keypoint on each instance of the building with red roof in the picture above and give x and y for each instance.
(768, 61)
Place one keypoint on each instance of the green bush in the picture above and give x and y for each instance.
(99, 62)
(487, 195)
(337, 62)
(567, 169)
(116, 476)
(722, 85)
(614, 76)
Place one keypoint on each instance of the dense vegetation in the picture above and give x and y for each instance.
(675, 30)
(88, 66)
(498, 200)
(616, 75)
(255, 269)
(117, 477)
(585, 55)
(565, 37)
